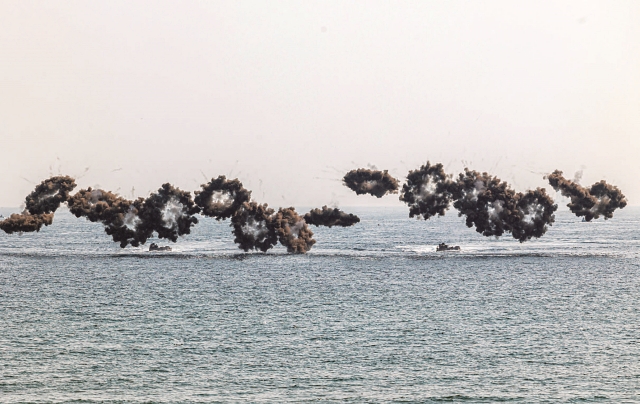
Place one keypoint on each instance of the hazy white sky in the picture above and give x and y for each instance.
(288, 96)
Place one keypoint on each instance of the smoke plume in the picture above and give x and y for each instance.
(221, 198)
(487, 203)
(493, 208)
(25, 222)
(599, 199)
(330, 217)
(372, 182)
(118, 215)
(428, 191)
(292, 230)
(252, 227)
(168, 212)
(40, 205)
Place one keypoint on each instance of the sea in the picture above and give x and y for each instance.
(371, 314)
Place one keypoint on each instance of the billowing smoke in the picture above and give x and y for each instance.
(168, 212)
(487, 203)
(330, 217)
(428, 191)
(255, 226)
(493, 208)
(49, 194)
(292, 230)
(372, 182)
(535, 211)
(25, 222)
(599, 199)
(221, 198)
(252, 227)
(40, 205)
(118, 215)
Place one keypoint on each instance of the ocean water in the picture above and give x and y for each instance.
(371, 314)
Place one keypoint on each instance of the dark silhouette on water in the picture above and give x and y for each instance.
(155, 247)
(444, 247)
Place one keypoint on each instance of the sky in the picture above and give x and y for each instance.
(289, 96)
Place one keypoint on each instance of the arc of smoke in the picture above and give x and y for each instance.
(170, 213)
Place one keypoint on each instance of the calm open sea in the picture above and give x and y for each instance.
(371, 314)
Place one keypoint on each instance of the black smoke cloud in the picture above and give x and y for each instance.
(428, 191)
(488, 204)
(40, 205)
(221, 198)
(252, 227)
(330, 217)
(118, 215)
(25, 222)
(494, 208)
(598, 199)
(170, 213)
(372, 182)
(255, 226)
(49, 195)
(292, 230)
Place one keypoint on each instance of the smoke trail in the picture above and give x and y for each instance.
(372, 182)
(487, 203)
(599, 199)
(330, 217)
(428, 191)
(252, 227)
(25, 222)
(117, 214)
(41, 205)
(49, 194)
(221, 198)
(493, 207)
(293, 232)
(168, 212)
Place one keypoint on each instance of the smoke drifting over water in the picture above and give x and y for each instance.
(221, 198)
(119, 216)
(491, 206)
(293, 232)
(25, 222)
(330, 217)
(494, 208)
(599, 199)
(170, 213)
(41, 205)
(252, 227)
(428, 191)
(372, 182)
(488, 204)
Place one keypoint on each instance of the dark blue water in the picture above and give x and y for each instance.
(371, 314)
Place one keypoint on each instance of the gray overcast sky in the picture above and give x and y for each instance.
(288, 96)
